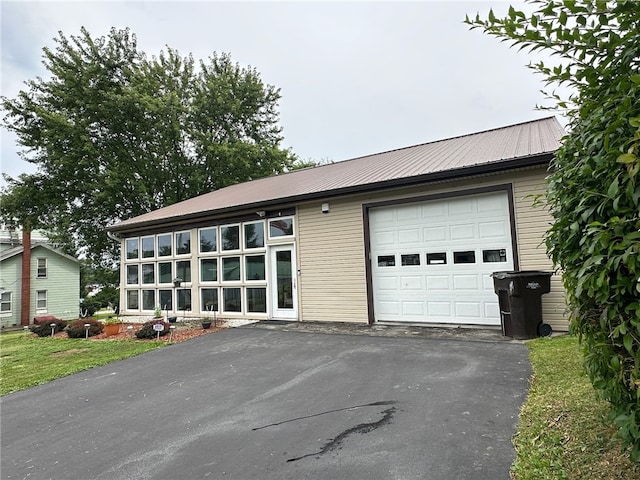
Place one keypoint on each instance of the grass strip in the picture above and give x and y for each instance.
(26, 361)
(563, 431)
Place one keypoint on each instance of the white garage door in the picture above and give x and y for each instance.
(431, 261)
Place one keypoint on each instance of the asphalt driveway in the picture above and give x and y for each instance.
(251, 403)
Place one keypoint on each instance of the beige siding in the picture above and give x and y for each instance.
(331, 247)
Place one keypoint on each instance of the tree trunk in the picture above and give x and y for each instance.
(25, 303)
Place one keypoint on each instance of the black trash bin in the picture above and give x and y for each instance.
(520, 299)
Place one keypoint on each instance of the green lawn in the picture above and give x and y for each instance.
(26, 361)
(563, 431)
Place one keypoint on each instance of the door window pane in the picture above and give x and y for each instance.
(230, 237)
(254, 235)
(255, 267)
(232, 299)
(209, 270)
(497, 255)
(164, 245)
(165, 299)
(183, 243)
(257, 300)
(464, 257)
(148, 275)
(284, 279)
(148, 299)
(132, 248)
(386, 260)
(184, 299)
(411, 259)
(282, 227)
(231, 269)
(183, 270)
(209, 298)
(439, 258)
(148, 247)
(132, 299)
(208, 240)
(132, 274)
(164, 272)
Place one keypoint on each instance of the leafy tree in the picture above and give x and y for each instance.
(593, 189)
(115, 134)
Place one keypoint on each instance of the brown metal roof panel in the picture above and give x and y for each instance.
(523, 140)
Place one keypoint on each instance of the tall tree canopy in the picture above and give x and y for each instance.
(115, 134)
(593, 189)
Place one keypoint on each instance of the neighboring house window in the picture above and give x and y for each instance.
(5, 302)
(42, 268)
(41, 300)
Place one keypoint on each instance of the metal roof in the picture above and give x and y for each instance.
(523, 144)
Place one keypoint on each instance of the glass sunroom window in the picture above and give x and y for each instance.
(164, 245)
(132, 274)
(148, 247)
(257, 300)
(183, 270)
(230, 237)
(281, 227)
(208, 240)
(183, 243)
(231, 269)
(209, 269)
(232, 299)
(148, 299)
(165, 299)
(254, 267)
(164, 272)
(254, 235)
(132, 248)
(209, 299)
(132, 300)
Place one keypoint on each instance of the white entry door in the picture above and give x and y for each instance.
(284, 289)
(431, 261)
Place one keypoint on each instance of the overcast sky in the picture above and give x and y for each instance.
(356, 77)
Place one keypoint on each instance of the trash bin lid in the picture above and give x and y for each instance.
(520, 274)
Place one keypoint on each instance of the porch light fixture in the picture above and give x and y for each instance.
(177, 281)
(325, 208)
(261, 213)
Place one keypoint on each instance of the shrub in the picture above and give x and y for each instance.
(76, 328)
(147, 330)
(89, 306)
(44, 329)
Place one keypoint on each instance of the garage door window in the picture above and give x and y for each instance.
(497, 255)
(411, 259)
(464, 257)
(439, 258)
(386, 260)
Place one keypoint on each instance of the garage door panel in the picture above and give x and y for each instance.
(443, 253)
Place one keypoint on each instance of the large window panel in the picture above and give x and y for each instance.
(208, 240)
(281, 227)
(164, 245)
(132, 274)
(132, 248)
(254, 235)
(165, 299)
(209, 300)
(148, 247)
(148, 299)
(254, 267)
(230, 237)
(148, 273)
(183, 270)
(165, 275)
(208, 269)
(184, 299)
(232, 299)
(132, 300)
(257, 300)
(183, 243)
(231, 269)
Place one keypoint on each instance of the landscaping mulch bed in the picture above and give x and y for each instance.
(182, 332)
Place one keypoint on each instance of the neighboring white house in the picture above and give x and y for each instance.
(55, 280)
(405, 236)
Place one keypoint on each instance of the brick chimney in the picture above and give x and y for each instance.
(25, 303)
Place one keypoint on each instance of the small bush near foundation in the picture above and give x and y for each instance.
(147, 330)
(76, 328)
(44, 329)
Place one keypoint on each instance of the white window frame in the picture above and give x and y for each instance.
(38, 267)
(264, 237)
(39, 308)
(175, 244)
(170, 235)
(200, 270)
(217, 250)
(221, 250)
(4, 301)
(278, 237)
(126, 299)
(155, 246)
(126, 250)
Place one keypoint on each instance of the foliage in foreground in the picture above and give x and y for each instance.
(563, 431)
(77, 329)
(147, 330)
(593, 190)
(27, 361)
